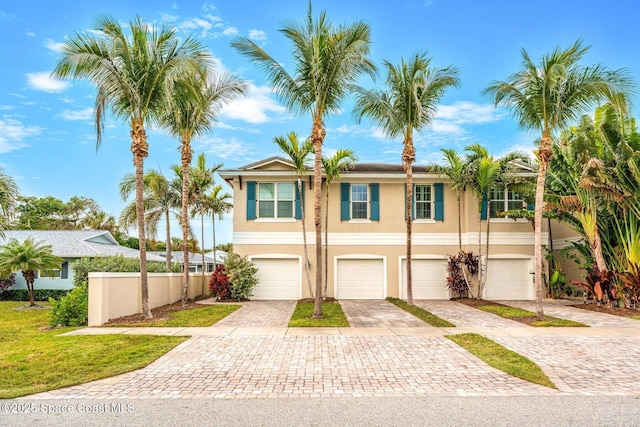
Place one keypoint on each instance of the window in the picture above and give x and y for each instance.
(359, 201)
(423, 202)
(502, 199)
(54, 273)
(276, 200)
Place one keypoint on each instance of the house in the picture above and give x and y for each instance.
(367, 233)
(195, 259)
(70, 245)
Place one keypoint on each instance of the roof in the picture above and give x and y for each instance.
(77, 243)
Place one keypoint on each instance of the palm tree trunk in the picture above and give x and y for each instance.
(202, 246)
(480, 263)
(486, 268)
(304, 238)
(317, 137)
(186, 155)
(545, 154)
(213, 235)
(29, 278)
(460, 252)
(140, 150)
(168, 240)
(409, 229)
(326, 241)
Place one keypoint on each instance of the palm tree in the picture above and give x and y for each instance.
(482, 174)
(161, 197)
(195, 103)
(547, 97)
(342, 160)
(327, 62)
(131, 74)
(28, 256)
(408, 104)
(298, 155)
(9, 194)
(454, 170)
(217, 204)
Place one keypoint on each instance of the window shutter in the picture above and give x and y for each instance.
(485, 202)
(251, 200)
(298, 204)
(374, 193)
(345, 189)
(438, 190)
(64, 274)
(531, 206)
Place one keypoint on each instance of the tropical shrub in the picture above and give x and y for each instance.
(72, 309)
(114, 264)
(219, 285)
(39, 294)
(456, 264)
(242, 275)
(7, 283)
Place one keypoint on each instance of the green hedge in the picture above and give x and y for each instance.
(115, 264)
(40, 294)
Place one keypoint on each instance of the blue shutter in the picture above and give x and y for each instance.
(251, 200)
(374, 194)
(64, 274)
(438, 190)
(345, 189)
(485, 202)
(531, 206)
(298, 204)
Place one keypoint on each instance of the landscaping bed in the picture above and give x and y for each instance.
(616, 311)
(333, 315)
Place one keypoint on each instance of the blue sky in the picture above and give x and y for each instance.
(47, 137)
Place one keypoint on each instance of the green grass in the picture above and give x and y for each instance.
(34, 360)
(502, 358)
(421, 314)
(514, 313)
(635, 317)
(332, 312)
(196, 317)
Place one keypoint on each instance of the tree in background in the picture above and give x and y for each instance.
(216, 203)
(547, 97)
(407, 105)
(327, 62)
(9, 194)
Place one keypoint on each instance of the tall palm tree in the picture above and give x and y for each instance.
(327, 62)
(454, 170)
(342, 160)
(298, 154)
(546, 97)
(9, 194)
(217, 204)
(160, 200)
(131, 74)
(29, 257)
(193, 108)
(408, 104)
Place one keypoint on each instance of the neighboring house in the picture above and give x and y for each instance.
(367, 233)
(70, 245)
(195, 260)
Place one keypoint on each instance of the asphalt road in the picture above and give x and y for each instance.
(412, 411)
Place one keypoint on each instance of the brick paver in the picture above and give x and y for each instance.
(377, 313)
(464, 316)
(258, 314)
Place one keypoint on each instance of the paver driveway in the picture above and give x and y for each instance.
(260, 314)
(276, 362)
(378, 313)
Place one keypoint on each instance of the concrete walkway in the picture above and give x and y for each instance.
(384, 358)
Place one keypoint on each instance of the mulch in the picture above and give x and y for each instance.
(616, 311)
(159, 313)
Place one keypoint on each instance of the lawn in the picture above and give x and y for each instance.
(201, 316)
(34, 359)
(528, 317)
(502, 358)
(421, 314)
(333, 316)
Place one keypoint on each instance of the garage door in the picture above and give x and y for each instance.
(360, 279)
(278, 279)
(509, 279)
(429, 279)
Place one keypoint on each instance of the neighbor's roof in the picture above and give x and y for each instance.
(77, 243)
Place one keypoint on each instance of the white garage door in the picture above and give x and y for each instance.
(509, 279)
(278, 279)
(360, 279)
(429, 279)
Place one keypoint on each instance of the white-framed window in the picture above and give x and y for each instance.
(359, 201)
(276, 200)
(423, 201)
(502, 199)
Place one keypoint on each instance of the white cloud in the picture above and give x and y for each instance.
(13, 133)
(443, 126)
(258, 107)
(208, 7)
(226, 148)
(167, 17)
(230, 31)
(6, 107)
(30, 34)
(196, 24)
(84, 114)
(257, 35)
(44, 82)
(53, 46)
(465, 112)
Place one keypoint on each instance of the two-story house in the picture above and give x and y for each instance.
(367, 233)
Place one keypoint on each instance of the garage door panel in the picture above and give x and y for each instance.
(278, 279)
(509, 279)
(360, 279)
(429, 279)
